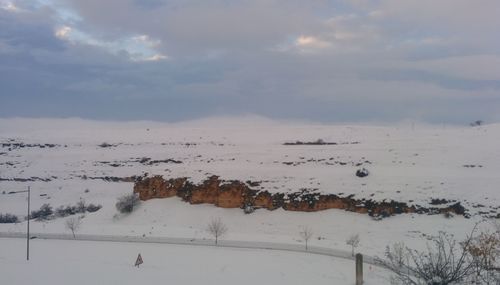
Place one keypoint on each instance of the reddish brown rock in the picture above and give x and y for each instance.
(207, 192)
(264, 200)
(157, 187)
(236, 194)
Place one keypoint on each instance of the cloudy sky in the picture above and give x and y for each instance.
(331, 61)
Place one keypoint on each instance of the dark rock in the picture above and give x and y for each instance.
(112, 178)
(457, 208)
(439, 201)
(363, 172)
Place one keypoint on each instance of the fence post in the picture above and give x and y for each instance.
(359, 269)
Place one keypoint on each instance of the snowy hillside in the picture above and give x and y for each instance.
(67, 160)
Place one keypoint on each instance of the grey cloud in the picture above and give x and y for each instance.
(197, 26)
(149, 4)
(28, 31)
(444, 81)
(224, 61)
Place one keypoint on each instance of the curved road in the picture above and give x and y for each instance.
(198, 242)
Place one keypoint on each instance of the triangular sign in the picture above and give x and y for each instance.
(138, 261)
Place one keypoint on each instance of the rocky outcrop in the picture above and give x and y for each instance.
(237, 194)
(157, 187)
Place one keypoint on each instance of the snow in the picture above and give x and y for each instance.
(405, 164)
(410, 163)
(86, 262)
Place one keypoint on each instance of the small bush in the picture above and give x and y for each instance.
(81, 206)
(60, 211)
(8, 219)
(44, 213)
(105, 144)
(127, 203)
(65, 211)
(476, 123)
(93, 208)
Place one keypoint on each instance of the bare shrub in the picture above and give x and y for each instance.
(73, 224)
(444, 262)
(217, 228)
(353, 241)
(485, 252)
(127, 203)
(81, 206)
(306, 233)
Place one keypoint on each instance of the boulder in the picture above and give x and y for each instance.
(363, 172)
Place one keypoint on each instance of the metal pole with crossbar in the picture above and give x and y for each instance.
(28, 227)
(28, 224)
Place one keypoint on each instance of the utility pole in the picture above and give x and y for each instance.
(28, 227)
(28, 224)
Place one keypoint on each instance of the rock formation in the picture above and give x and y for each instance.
(237, 194)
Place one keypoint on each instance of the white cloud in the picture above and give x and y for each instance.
(156, 57)
(8, 6)
(377, 14)
(63, 32)
(303, 44)
(136, 48)
(147, 40)
(311, 42)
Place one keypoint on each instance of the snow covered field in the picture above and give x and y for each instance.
(410, 163)
(406, 162)
(84, 262)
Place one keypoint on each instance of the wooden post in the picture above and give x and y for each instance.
(359, 269)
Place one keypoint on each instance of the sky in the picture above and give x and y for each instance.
(435, 61)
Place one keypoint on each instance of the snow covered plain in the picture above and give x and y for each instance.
(410, 163)
(85, 262)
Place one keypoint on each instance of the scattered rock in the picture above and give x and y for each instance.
(363, 172)
(248, 209)
(439, 201)
(16, 145)
(105, 145)
(318, 142)
(152, 162)
(111, 178)
(30, 179)
(472, 165)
